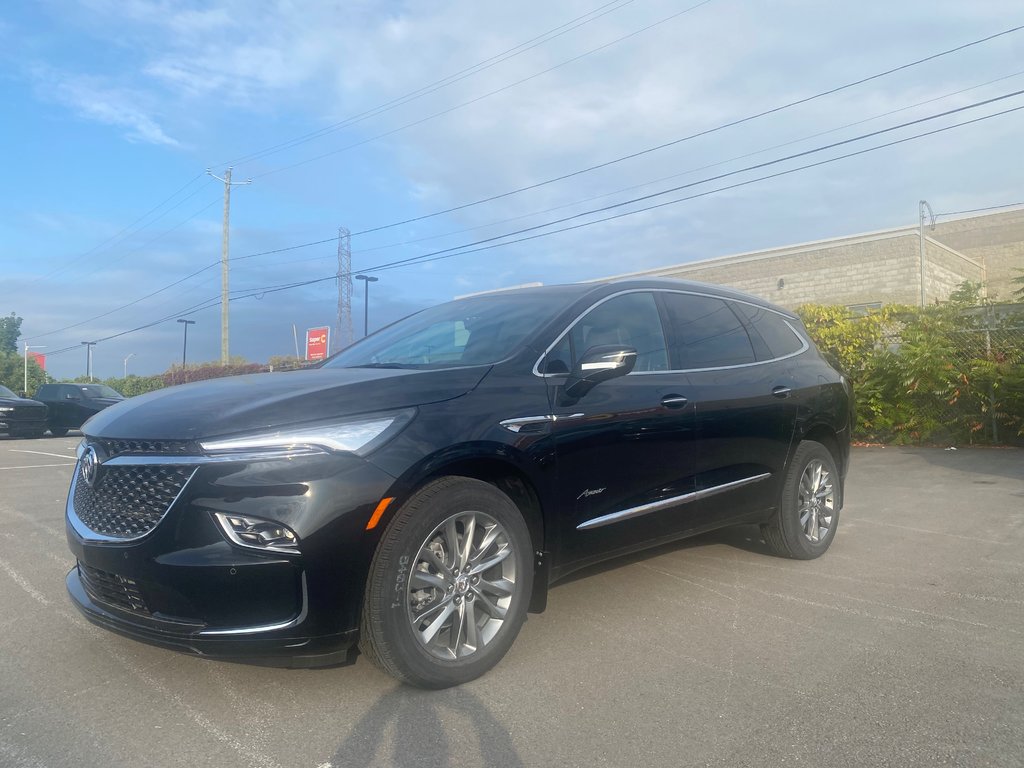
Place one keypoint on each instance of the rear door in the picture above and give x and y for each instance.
(745, 417)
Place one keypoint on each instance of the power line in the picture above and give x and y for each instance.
(463, 206)
(488, 244)
(118, 235)
(436, 85)
(978, 210)
(482, 96)
(692, 136)
(591, 212)
(444, 254)
(631, 188)
(706, 180)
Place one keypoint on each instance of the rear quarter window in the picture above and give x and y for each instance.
(777, 337)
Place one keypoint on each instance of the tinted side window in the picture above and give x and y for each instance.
(708, 334)
(778, 337)
(630, 320)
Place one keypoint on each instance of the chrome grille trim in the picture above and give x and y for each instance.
(120, 527)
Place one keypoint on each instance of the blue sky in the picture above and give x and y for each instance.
(113, 106)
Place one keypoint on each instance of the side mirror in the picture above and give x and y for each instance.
(599, 364)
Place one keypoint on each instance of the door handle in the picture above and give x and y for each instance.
(674, 401)
(781, 391)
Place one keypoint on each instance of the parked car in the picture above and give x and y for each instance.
(21, 417)
(417, 494)
(71, 405)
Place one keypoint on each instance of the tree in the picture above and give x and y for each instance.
(10, 330)
(12, 372)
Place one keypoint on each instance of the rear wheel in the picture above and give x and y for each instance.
(57, 431)
(449, 584)
(808, 513)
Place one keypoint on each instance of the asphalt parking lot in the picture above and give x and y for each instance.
(903, 646)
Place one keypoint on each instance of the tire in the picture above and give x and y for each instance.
(433, 617)
(805, 523)
(57, 431)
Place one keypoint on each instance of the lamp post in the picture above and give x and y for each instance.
(88, 357)
(184, 345)
(921, 206)
(27, 348)
(367, 279)
(129, 357)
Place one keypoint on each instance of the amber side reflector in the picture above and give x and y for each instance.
(378, 512)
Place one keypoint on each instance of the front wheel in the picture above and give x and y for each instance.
(57, 431)
(449, 584)
(808, 513)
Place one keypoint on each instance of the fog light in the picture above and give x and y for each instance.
(258, 534)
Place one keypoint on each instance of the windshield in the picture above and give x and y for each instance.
(474, 331)
(93, 391)
(5, 392)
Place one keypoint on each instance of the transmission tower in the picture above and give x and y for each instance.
(344, 331)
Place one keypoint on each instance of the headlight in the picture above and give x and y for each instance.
(5, 409)
(358, 435)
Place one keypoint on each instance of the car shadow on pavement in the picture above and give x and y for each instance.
(428, 728)
(745, 537)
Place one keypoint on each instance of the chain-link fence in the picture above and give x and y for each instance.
(945, 382)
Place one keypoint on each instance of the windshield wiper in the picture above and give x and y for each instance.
(404, 366)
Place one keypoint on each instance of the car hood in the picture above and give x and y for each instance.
(237, 404)
(21, 402)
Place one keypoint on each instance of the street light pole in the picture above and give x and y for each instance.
(130, 356)
(184, 344)
(27, 348)
(367, 279)
(88, 357)
(920, 215)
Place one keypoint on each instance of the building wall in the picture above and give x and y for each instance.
(873, 268)
(883, 268)
(997, 240)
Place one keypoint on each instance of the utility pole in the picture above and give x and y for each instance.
(344, 335)
(920, 212)
(184, 344)
(88, 357)
(224, 357)
(367, 279)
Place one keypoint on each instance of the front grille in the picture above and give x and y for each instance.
(127, 502)
(28, 412)
(113, 589)
(118, 447)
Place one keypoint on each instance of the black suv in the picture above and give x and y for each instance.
(418, 492)
(71, 405)
(20, 417)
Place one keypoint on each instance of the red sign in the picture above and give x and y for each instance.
(318, 343)
(39, 358)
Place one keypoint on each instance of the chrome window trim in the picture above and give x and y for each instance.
(656, 506)
(804, 346)
(292, 622)
(90, 536)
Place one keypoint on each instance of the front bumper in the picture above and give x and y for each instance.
(184, 585)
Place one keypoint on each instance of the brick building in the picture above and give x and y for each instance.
(875, 268)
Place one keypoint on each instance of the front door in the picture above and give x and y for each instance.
(625, 450)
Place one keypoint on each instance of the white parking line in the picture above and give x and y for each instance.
(40, 453)
(37, 466)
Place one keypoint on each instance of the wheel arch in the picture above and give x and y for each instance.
(496, 466)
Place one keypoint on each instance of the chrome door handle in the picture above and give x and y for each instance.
(781, 391)
(674, 401)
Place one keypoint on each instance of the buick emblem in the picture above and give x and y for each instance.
(90, 467)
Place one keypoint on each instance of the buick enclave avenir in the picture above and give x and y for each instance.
(417, 493)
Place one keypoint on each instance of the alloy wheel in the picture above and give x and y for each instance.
(816, 501)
